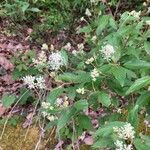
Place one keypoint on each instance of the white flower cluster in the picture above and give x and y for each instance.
(135, 14)
(41, 60)
(121, 146)
(95, 2)
(56, 61)
(48, 106)
(34, 82)
(80, 46)
(89, 61)
(107, 51)
(126, 132)
(80, 90)
(62, 102)
(44, 46)
(94, 74)
(67, 46)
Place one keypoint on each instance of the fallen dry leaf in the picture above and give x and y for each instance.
(5, 63)
(2, 110)
(88, 140)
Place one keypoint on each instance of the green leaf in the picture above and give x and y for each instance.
(138, 84)
(104, 99)
(120, 74)
(140, 144)
(86, 29)
(133, 116)
(35, 10)
(74, 78)
(102, 23)
(102, 143)
(84, 122)
(147, 47)
(25, 6)
(143, 99)
(107, 129)
(64, 56)
(137, 64)
(54, 94)
(81, 105)
(65, 117)
(8, 100)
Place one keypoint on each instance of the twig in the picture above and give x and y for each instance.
(117, 7)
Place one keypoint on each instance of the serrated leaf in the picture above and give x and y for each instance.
(104, 99)
(84, 122)
(8, 100)
(143, 99)
(81, 105)
(102, 23)
(74, 78)
(65, 117)
(147, 47)
(138, 84)
(133, 116)
(54, 94)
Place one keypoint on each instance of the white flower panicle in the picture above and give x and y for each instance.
(56, 61)
(30, 81)
(135, 14)
(34, 82)
(94, 38)
(90, 60)
(41, 60)
(107, 51)
(44, 46)
(67, 46)
(80, 90)
(94, 74)
(126, 132)
(40, 82)
(121, 146)
(47, 105)
(80, 46)
(87, 12)
(62, 102)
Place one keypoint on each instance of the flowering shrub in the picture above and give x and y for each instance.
(113, 76)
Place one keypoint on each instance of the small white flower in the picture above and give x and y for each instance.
(80, 46)
(125, 132)
(65, 103)
(41, 60)
(121, 146)
(44, 46)
(29, 81)
(56, 61)
(94, 74)
(51, 117)
(40, 82)
(107, 51)
(94, 38)
(119, 110)
(88, 13)
(59, 101)
(45, 105)
(148, 22)
(90, 60)
(82, 19)
(52, 47)
(80, 90)
(144, 4)
(135, 14)
(67, 46)
(44, 114)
